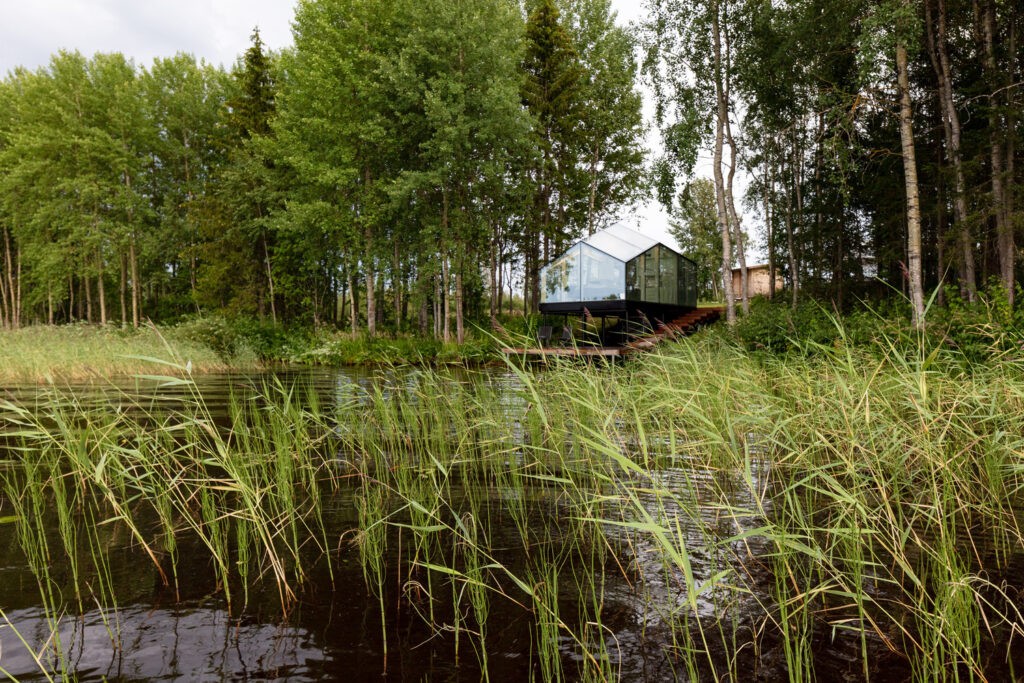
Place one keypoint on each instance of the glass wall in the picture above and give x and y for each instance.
(687, 283)
(656, 276)
(668, 282)
(583, 274)
(659, 275)
(560, 279)
(602, 276)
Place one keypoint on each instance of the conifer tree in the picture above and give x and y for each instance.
(238, 264)
(552, 93)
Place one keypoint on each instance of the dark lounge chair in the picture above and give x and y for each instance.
(544, 335)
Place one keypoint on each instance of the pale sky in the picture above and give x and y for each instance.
(214, 30)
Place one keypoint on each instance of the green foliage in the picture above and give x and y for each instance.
(984, 331)
(214, 332)
(777, 327)
(239, 250)
(230, 338)
(695, 228)
(981, 333)
(272, 342)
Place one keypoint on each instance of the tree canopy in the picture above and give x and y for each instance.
(412, 165)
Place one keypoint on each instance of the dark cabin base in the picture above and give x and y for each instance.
(634, 318)
(686, 324)
(617, 308)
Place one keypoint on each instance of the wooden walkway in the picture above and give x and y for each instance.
(680, 327)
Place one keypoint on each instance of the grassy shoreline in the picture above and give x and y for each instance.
(76, 353)
(45, 354)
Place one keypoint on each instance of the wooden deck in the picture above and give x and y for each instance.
(567, 351)
(680, 327)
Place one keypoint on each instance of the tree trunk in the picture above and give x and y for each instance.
(794, 274)
(123, 290)
(438, 299)
(460, 328)
(371, 296)
(270, 279)
(17, 290)
(501, 277)
(339, 318)
(910, 178)
(735, 219)
(997, 133)
(88, 298)
(446, 311)
(492, 303)
(445, 266)
(5, 320)
(723, 218)
(101, 290)
(353, 307)
(798, 183)
(12, 287)
(935, 32)
(136, 293)
(770, 225)
(397, 285)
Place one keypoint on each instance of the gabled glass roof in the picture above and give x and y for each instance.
(620, 241)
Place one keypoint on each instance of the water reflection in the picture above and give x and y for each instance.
(186, 644)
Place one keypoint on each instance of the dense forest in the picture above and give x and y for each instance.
(879, 136)
(412, 164)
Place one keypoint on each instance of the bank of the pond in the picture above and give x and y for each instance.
(46, 354)
(74, 353)
(340, 349)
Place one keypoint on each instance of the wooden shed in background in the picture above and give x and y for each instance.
(758, 279)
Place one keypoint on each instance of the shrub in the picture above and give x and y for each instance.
(213, 332)
(774, 326)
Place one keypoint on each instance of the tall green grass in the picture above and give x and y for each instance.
(45, 354)
(753, 506)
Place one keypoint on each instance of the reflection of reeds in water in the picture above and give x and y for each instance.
(754, 506)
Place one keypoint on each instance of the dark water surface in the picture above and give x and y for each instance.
(155, 632)
(334, 631)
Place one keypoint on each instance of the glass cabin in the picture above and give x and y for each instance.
(619, 271)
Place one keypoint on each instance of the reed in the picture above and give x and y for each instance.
(753, 504)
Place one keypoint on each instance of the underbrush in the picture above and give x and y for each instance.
(980, 332)
(339, 349)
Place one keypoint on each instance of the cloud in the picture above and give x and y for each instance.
(217, 31)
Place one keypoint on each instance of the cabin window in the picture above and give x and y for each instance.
(650, 292)
(668, 283)
(633, 279)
